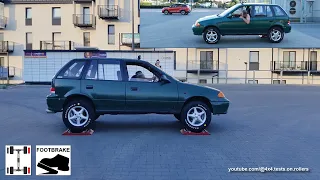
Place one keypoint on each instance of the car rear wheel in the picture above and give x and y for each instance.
(275, 35)
(211, 35)
(166, 12)
(183, 12)
(196, 116)
(77, 115)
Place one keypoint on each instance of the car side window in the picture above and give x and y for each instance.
(72, 71)
(109, 71)
(260, 11)
(238, 12)
(140, 73)
(269, 12)
(278, 11)
(92, 71)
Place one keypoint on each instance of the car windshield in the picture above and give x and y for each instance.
(228, 11)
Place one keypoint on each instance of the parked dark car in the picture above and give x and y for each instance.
(84, 89)
(183, 9)
(267, 20)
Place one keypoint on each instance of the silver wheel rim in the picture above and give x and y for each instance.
(276, 35)
(196, 116)
(182, 12)
(166, 12)
(78, 116)
(211, 36)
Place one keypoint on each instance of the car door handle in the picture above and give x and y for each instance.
(89, 87)
(134, 89)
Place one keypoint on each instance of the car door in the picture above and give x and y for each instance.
(148, 97)
(104, 83)
(261, 19)
(232, 24)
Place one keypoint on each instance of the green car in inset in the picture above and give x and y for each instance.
(267, 20)
(84, 89)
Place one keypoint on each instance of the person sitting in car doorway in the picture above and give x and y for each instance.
(245, 17)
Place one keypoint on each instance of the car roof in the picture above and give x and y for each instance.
(262, 4)
(117, 59)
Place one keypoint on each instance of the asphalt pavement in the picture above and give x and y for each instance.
(267, 126)
(175, 31)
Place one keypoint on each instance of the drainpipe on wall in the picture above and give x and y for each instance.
(8, 67)
(132, 9)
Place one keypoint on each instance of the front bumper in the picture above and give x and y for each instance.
(54, 103)
(220, 107)
(197, 30)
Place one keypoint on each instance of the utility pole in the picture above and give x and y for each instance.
(132, 19)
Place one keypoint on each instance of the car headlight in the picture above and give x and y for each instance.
(197, 24)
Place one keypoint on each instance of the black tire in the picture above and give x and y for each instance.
(186, 13)
(79, 103)
(166, 12)
(25, 170)
(183, 12)
(11, 170)
(11, 149)
(177, 116)
(96, 118)
(25, 150)
(199, 105)
(275, 29)
(212, 30)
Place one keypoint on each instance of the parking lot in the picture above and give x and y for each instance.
(269, 126)
(175, 31)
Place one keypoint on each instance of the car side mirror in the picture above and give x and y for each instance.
(164, 79)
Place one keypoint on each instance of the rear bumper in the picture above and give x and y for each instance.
(54, 103)
(287, 29)
(220, 107)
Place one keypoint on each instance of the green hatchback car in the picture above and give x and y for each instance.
(84, 89)
(266, 20)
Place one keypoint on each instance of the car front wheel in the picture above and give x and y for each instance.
(211, 35)
(77, 115)
(196, 116)
(166, 12)
(275, 35)
(183, 12)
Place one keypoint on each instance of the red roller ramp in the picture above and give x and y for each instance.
(186, 132)
(84, 133)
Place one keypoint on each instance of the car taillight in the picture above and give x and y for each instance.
(52, 90)
(288, 22)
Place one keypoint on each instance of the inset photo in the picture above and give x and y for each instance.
(229, 24)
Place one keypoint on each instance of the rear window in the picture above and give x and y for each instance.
(278, 11)
(73, 70)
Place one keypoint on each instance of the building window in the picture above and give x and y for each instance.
(1, 61)
(29, 41)
(86, 38)
(28, 17)
(254, 60)
(56, 16)
(289, 60)
(111, 34)
(57, 44)
(139, 28)
(206, 60)
(252, 81)
(278, 82)
(313, 61)
(1, 37)
(202, 81)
